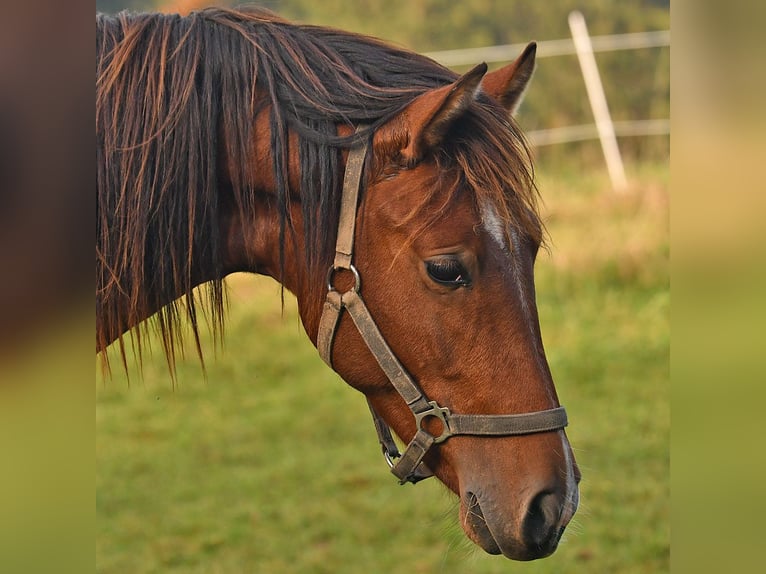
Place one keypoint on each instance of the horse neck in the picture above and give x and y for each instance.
(253, 246)
(251, 239)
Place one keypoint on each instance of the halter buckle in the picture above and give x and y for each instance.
(441, 413)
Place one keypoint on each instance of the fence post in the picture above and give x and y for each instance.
(597, 99)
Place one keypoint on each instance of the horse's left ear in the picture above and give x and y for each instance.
(508, 84)
(425, 122)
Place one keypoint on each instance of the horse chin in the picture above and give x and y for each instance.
(478, 530)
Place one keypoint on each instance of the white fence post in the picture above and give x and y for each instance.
(597, 101)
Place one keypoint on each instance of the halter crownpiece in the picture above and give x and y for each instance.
(409, 467)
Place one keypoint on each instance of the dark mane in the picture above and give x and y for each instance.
(173, 92)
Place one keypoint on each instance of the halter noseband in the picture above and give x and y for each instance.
(409, 467)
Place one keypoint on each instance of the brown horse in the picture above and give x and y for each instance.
(222, 142)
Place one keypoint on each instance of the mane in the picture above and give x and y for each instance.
(173, 92)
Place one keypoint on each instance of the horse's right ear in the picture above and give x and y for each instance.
(509, 83)
(423, 124)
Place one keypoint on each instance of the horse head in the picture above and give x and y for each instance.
(444, 250)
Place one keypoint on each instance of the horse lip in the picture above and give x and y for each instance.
(476, 526)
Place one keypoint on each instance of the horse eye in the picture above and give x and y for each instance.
(448, 271)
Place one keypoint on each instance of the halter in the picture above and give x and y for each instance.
(409, 467)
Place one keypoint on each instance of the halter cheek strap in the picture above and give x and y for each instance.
(409, 466)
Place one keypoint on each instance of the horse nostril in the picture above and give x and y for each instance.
(540, 524)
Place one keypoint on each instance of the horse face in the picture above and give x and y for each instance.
(456, 303)
(451, 288)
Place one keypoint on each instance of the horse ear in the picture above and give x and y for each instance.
(429, 117)
(508, 84)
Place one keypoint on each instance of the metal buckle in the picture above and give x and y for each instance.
(441, 413)
(331, 271)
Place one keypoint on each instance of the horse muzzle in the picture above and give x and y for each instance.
(525, 517)
(543, 521)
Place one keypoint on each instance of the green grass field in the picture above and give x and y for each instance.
(270, 463)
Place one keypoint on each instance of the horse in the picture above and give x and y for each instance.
(393, 197)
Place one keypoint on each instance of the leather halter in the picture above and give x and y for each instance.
(409, 467)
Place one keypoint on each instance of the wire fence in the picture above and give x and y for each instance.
(590, 131)
(582, 45)
(551, 48)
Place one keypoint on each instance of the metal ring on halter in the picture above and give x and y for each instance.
(331, 271)
(389, 458)
(440, 413)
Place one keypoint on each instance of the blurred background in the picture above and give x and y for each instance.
(269, 462)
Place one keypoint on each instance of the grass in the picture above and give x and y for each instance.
(270, 464)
